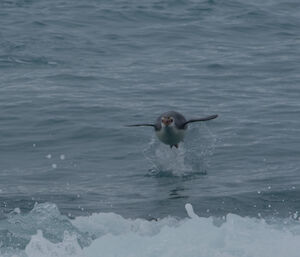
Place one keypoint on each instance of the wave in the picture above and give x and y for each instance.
(108, 234)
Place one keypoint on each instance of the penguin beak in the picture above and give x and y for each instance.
(166, 122)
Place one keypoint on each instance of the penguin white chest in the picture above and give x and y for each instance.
(170, 135)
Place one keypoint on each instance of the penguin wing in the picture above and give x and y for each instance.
(211, 117)
(156, 126)
(141, 125)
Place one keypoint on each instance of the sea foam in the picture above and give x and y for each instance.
(115, 236)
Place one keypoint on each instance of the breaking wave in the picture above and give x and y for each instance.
(45, 232)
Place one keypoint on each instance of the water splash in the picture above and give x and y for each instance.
(114, 235)
(190, 211)
(16, 230)
(40, 246)
(192, 156)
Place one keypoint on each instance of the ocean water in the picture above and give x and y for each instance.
(75, 181)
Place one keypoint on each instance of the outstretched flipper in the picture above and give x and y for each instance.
(141, 125)
(211, 117)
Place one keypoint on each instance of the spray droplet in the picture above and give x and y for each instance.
(190, 210)
(17, 210)
(295, 215)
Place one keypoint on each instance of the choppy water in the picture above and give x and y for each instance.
(74, 73)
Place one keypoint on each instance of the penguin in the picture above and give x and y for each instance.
(170, 127)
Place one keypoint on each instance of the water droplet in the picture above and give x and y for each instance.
(17, 210)
(295, 215)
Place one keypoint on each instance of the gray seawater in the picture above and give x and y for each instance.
(75, 73)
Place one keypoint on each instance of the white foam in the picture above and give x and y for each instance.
(41, 247)
(110, 223)
(200, 237)
(115, 236)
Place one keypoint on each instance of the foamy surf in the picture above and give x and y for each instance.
(112, 235)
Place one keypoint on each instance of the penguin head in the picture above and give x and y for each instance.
(167, 121)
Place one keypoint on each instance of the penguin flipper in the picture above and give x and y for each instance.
(141, 125)
(211, 117)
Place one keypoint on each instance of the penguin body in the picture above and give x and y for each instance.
(170, 127)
